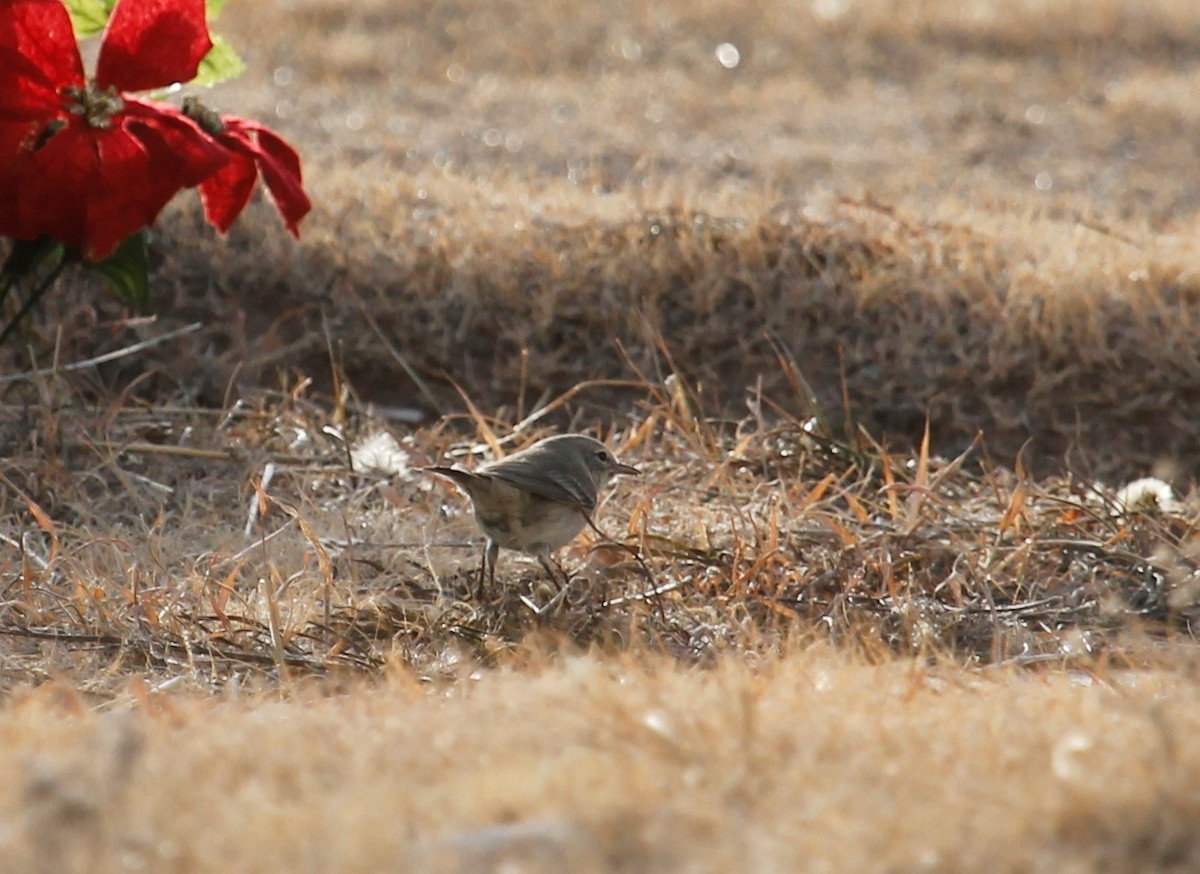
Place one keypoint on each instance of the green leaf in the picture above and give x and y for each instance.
(221, 63)
(27, 255)
(127, 271)
(89, 16)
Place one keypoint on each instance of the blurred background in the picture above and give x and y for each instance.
(981, 213)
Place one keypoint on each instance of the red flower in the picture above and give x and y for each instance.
(254, 147)
(80, 160)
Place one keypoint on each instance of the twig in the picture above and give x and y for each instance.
(426, 392)
(637, 557)
(234, 455)
(644, 596)
(37, 294)
(123, 352)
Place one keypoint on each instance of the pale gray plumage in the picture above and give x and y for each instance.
(537, 500)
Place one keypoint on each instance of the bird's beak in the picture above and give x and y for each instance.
(627, 469)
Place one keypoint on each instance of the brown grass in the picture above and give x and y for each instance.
(626, 765)
(223, 648)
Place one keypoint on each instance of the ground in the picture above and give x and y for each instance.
(888, 301)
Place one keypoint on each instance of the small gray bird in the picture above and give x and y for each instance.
(535, 501)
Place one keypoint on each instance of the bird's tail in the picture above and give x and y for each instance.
(455, 474)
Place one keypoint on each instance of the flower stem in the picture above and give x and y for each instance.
(6, 285)
(36, 296)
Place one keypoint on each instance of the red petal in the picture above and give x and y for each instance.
(135, 180)
(153, 43)
(16, 137)
(53, 184)
(199, 154)
(281, 170)
(38, 56)
(226, 192)
(92, 188)
(280, 167)
(13, 136)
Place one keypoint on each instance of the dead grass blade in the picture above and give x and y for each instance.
(801, 387)
(920, 490)
(397, 355)
(107, 357)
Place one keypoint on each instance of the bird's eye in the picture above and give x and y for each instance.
(603, 455)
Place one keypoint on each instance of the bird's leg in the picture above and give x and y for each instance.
(477, 582)
(487, 568)
(551, 606)
(548, 565)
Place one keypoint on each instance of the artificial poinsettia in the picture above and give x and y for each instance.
(84, 161)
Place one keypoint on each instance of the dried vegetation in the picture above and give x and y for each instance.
(248, 543)
(888, 313)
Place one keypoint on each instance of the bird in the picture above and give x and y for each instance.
(537, 500)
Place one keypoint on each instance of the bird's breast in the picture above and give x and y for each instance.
(516, 519)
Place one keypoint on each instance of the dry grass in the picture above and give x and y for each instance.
(628, 765)
(743, 705)
(223, 648)
(246, 544)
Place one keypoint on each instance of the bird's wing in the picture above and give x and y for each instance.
(575, 489)
(456, 474)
